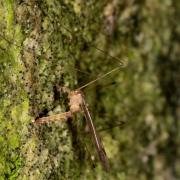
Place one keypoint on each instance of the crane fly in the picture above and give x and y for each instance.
(78, 104)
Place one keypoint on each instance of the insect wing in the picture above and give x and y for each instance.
(96, 139)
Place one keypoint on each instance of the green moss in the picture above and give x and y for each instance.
(13, 141)
(39, 52)
(12, 107)
(9, 5)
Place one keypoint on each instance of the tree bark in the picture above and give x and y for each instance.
(43, 44)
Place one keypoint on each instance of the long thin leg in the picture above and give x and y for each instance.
(56, 117)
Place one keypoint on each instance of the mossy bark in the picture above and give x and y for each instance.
(43, 43)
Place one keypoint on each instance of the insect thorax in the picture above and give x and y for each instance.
(75, 101)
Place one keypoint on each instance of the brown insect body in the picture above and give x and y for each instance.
(75, 100)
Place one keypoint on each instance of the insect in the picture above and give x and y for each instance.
(78, 104)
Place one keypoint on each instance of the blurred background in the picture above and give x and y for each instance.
(136, 110)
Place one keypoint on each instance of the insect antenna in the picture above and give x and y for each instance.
(121, 63)
(98, 78)
(100, 50)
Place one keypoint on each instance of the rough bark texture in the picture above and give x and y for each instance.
(43, 44)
